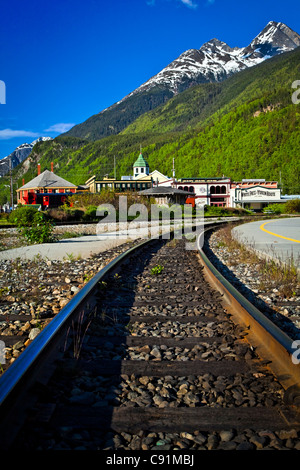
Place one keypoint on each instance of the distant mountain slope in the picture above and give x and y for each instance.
(18, 155)
(117, 117)
(243, 127)
(270, 81)
(213, 62)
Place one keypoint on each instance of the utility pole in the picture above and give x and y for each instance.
(173, 172)
(11, 181)
(11, 186)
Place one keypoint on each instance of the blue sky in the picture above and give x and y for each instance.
(65, 60)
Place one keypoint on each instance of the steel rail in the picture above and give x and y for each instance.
(269, 340)
(12, 377)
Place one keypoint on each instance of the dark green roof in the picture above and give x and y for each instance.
(141, 161)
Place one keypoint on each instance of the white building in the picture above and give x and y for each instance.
(207, 191)
(255, 197)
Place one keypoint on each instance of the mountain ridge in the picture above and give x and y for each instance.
(213, 62)
(274, 38)
(19, 155)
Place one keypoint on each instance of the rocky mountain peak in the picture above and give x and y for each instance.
(274, 39)
(215, 60)
(215, 45)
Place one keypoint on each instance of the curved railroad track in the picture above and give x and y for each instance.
(156, 352)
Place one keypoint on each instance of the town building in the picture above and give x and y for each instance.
(140, 180)
(158, 177)
(255, 197)
(165, 195)
(254, 194)
(203, 191)
(46, 190)
(125, 184)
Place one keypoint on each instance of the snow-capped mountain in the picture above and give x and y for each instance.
(18, 155)
(215, 60)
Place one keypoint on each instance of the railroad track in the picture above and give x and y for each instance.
(156, 352)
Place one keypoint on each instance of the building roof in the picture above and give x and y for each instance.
(204, 180)
(164, 191)
(291, 196)
(141, 161)
(47, 179)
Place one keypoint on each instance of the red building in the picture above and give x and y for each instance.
(46, 189)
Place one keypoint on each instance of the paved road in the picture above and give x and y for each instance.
(68, 248)
(83, 247)
(276, 238)
(92, 244)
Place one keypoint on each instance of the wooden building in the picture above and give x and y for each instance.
(165, 195)
(46, 189)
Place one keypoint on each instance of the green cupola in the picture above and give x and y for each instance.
(140, 167)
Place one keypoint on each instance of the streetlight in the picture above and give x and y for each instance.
(11, 182)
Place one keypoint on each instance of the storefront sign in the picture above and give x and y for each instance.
(258, 193)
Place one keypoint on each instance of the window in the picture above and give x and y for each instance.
(218, 199)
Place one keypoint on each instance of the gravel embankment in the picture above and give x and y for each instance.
(40, 288)
(257, 287)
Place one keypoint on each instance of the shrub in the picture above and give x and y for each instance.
(73, 214)
(275, 208)
(23, 216)
(292, 206)
(215, 210)
(90, 213)
(32, 224)
(58, 214)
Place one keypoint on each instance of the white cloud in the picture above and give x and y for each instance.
(6, 134)
(189, 3)
(61, 127)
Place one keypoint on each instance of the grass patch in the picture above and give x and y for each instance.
(274, 273)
